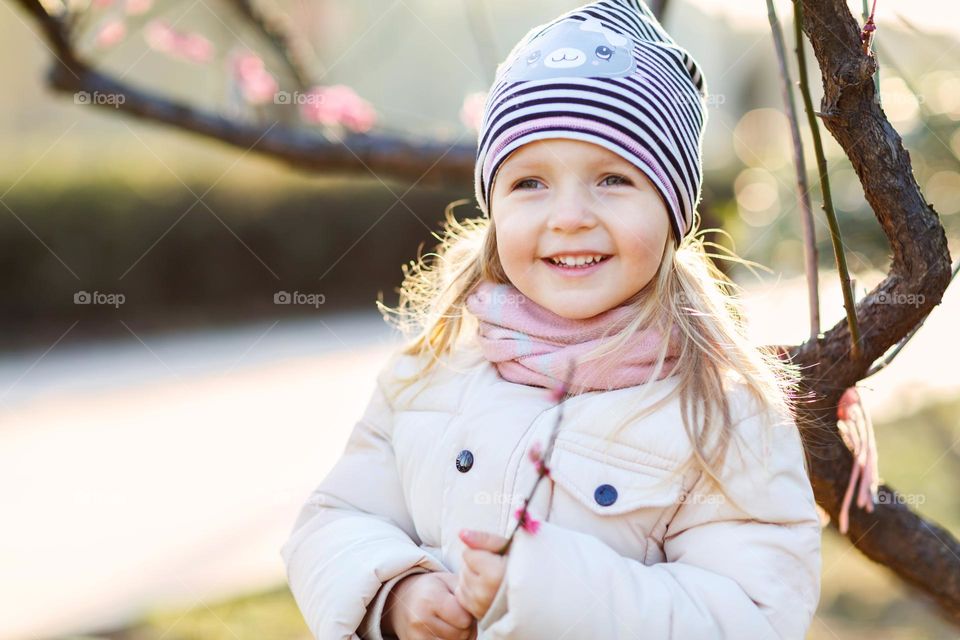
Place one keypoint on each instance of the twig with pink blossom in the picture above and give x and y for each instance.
(539, 458)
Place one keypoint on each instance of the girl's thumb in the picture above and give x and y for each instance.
(482, 540)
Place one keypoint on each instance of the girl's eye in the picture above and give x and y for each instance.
(520, 184)
(624, 179)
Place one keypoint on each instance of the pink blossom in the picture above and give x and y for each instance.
(256, 83)
(110, 33)
(338, 104)
(536, 457)
(536, 452)
(558, 392)
(472, 110)
(529, 524)
(188, 46)
(101, 4)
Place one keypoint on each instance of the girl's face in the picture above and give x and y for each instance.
(559, 197)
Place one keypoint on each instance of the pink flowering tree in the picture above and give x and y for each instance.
(277, 110)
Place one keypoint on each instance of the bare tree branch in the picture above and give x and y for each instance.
(920, 552)
(835, 236)
(390, 157)
(800, 166)
(394, 157)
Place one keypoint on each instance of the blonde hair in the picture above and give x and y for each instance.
(688, 291)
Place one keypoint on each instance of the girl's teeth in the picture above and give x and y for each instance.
(577, 261)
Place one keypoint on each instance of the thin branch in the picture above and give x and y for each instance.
(848, 300)
(274, 27)
(659, 8)
(883, 364)
(876, 76)
(55, 30)
(800, 164)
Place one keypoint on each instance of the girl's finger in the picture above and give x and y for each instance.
(449, 579)
(482, 539)
(483, 564)
(454, 613)
(464, 594)
(466, 598)
(444, 630)
(471, 561)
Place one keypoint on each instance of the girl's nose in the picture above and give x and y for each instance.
(572, 211)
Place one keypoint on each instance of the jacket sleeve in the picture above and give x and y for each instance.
(354, 539)
(728, 574)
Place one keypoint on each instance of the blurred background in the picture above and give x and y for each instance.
(165, 410)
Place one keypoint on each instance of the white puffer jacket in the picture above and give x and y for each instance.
(626, 550)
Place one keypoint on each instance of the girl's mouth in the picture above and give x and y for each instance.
(575, 270)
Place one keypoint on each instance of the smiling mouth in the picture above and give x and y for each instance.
(557, 264)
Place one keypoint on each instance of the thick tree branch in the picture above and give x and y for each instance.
(918, 551)
(390, 157)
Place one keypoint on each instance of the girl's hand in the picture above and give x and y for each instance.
(482, 571)
(422, 606)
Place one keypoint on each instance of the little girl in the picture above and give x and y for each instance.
(678, 504)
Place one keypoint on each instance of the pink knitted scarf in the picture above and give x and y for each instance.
(530, 344)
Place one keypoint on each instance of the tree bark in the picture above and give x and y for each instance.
(917, 550)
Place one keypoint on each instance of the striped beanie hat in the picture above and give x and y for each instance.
(608, 73)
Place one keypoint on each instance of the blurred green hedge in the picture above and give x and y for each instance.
(178, 262)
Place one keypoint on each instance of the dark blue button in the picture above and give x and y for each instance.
(464, 461)
(605, 495)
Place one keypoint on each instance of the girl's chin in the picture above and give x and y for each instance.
(573, 307)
